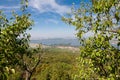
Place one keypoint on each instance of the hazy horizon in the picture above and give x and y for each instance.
(57, 41)
(39, 38)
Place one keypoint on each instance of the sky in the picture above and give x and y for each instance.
(47, 16)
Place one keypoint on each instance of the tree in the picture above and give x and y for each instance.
(99, 58)
(14, 43)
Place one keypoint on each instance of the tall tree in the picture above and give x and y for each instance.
(99, 58)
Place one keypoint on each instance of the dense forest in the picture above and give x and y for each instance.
(96, 58)
(56, 64)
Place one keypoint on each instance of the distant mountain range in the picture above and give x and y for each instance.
(64, 42)
(57, 41)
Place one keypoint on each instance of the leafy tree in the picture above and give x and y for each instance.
(99, 59)
(14, 43)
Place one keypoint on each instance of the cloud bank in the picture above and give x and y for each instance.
(49, 6)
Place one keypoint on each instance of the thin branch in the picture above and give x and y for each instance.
(102, 68)
(114, 31)
(36, 63)
(31, 72)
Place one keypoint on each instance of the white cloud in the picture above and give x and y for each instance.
(9, 7)
(52, 21)
(49, 6)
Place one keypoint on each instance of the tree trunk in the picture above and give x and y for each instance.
(25, 75)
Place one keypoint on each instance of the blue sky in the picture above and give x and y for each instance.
(47, 17)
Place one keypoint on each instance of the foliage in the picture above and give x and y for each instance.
(99, 59)
(12, 45)
(14, 42)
